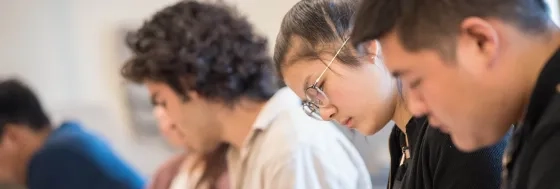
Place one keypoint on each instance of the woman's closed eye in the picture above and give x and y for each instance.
(321, 85)
(319, 99)
(415, 83)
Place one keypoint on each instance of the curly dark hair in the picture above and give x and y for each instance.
(207, 48)
(204, 47)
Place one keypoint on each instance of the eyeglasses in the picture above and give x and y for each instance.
(316, 97)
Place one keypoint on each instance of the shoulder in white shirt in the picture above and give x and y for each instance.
(293, 151)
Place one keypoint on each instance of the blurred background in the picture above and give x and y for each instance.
(70, 52)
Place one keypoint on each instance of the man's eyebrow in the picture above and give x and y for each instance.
(398, 73)
(153, 98)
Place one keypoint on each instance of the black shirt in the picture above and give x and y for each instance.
(533, 157)
(435, 163)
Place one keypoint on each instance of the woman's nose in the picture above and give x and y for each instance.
(327, 112)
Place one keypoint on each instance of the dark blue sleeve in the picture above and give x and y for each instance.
(64, 168)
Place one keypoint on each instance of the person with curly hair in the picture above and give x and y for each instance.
(204, 64)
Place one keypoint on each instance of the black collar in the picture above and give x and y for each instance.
(544, 91)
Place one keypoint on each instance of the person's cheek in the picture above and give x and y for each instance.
(158, 113)
(175, 132)
(162, 117)
(164, 123)
(5, 174)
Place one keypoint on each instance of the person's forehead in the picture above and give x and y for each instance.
(395, 57)
(301, 71)
(158, 89)
(294, 50)
(300, 50)
(398, 59)
(155, 85)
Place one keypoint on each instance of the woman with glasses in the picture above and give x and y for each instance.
(352, 87)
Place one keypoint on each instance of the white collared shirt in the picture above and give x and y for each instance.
(180, 181)
(289, 150)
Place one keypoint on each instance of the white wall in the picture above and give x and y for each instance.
(70, 51)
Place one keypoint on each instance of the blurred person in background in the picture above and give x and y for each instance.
(175, 173)
(10, 186)
(353, 87)
(475, 67)
(205, 65)
(35, 154)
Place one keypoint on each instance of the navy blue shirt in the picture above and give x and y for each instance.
(72, 158)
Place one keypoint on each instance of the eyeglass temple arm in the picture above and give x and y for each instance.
(332, 60)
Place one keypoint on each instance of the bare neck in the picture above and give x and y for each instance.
(401, 115)
(535, 56)
(238, 122)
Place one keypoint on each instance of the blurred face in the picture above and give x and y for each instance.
(14, 154)
(471, 97)
(195, 127)
(168, 129)
(360, 97)
(7, 159)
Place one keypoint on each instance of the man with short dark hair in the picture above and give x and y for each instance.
(205, 65)
(475, 67)
(36, 155)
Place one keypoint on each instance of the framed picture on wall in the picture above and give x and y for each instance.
(137, 97)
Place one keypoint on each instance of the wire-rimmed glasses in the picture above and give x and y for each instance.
(316, 97)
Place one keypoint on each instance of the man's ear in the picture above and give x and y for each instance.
(372, 49)
(480, 39)
(10, 135)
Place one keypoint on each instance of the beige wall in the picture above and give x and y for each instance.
(70, 51)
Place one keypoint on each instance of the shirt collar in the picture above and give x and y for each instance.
(282, 100)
